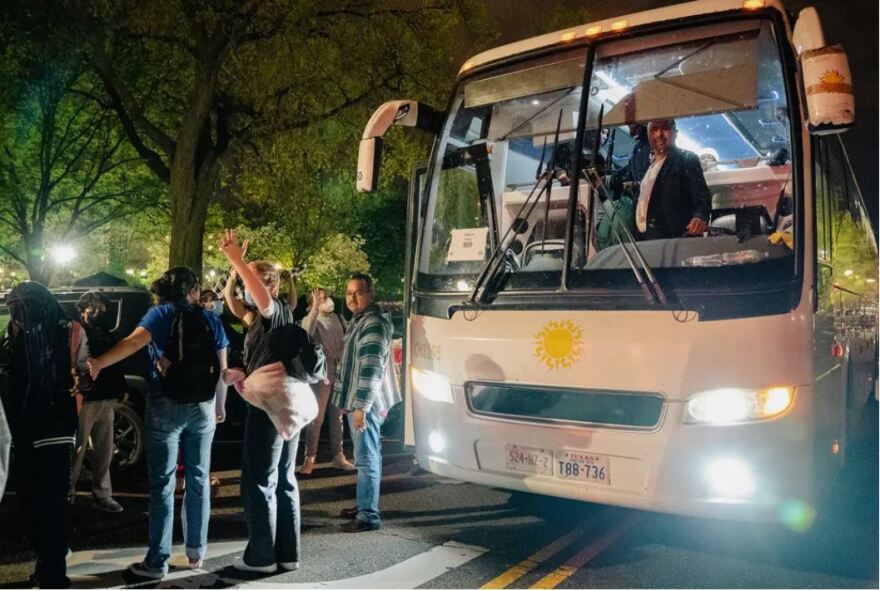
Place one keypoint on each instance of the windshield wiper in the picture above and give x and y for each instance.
(482, 290)
(651, 288)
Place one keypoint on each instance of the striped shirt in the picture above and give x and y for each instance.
(363, 378)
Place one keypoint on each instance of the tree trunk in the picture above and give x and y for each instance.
(37, 267)
(189, 206)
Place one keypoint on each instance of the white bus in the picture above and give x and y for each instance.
(555, 345)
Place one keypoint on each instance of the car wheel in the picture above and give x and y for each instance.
(128, 437)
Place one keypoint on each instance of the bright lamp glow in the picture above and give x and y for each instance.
(735, 405)
(63, 254)
(437, 442)
(730, 478)
(431, 385)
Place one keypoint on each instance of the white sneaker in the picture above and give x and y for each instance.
(142, 570)
(288, 565)
(240, 564)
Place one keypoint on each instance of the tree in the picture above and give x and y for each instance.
(197, 86)
(339, 256)
(65, 169)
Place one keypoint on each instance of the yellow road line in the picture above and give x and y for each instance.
(572, 565)
(520, 570)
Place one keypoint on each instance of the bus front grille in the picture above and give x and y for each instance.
(543, 404)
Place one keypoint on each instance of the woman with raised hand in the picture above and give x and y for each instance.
(268, 479)
(326, 328)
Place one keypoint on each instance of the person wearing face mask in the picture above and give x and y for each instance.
(327, 330)
(210, 302)
(268, 479)
(99, 399)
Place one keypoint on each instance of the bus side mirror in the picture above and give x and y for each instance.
(402, 112)
(369, 161)
(826, 76)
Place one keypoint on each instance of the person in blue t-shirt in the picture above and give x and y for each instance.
(170, 424)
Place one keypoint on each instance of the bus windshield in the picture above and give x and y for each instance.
(691, 155)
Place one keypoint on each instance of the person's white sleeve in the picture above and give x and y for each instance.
(270, 311)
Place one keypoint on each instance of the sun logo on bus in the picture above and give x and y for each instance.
(559, 344)
(832, 77)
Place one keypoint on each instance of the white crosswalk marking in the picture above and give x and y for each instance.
(104, 568)
(408, 574)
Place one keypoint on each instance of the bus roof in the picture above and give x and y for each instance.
(635, 19)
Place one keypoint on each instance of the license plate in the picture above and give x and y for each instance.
(583, 466)
(529, 459)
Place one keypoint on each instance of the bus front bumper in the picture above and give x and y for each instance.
(760, 471)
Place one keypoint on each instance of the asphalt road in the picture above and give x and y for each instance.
(445, 534)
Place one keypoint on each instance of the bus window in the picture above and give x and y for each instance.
(720, 89)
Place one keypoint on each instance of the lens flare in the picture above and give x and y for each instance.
(797, 515)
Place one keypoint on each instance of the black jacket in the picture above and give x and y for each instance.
(36, 414)
(680, 194)
(111, 381)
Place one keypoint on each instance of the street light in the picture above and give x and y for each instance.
(63, 254)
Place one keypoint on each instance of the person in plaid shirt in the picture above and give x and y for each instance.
(363, 388)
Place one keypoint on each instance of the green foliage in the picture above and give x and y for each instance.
(65, 169)
(855, 258)
(339, 256)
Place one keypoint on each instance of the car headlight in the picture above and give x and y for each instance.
(736, 405)
(431, 385)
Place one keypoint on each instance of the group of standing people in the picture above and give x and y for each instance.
(45, 358)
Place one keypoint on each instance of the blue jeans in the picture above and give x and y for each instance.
(269, 492)
(368, 461)
(190, 426)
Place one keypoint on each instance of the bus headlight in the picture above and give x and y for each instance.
(431, 385)
(736, 405)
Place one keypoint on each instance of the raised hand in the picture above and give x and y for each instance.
(318, 297)
(228, 243)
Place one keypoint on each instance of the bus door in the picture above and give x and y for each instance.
(413, 209)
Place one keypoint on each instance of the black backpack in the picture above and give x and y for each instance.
(303, 360)
(195, 369)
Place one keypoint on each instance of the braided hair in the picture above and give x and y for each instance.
(46, 329)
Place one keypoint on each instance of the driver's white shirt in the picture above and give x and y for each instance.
(645, 189)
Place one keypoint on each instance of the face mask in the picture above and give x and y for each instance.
(327, 306)
(217, 309)
(249, 300)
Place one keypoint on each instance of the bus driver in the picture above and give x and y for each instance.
(674, 199)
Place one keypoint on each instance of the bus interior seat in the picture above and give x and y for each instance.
(534, 258)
